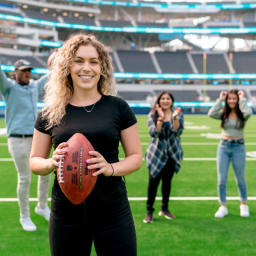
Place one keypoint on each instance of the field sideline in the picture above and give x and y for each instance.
(194, 232)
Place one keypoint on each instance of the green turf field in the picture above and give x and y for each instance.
(195, 231)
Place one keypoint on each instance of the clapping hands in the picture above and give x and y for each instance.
(159, 111)
(176, 112)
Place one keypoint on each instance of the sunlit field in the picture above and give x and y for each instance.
(195, 231)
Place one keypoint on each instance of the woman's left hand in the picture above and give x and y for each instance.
(99, 163)
(176, 112)
(240, 94)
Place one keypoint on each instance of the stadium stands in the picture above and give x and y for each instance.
(35, 61)
(215, 63)
(38, 15)
(133, 95)
(113, 23)
(136, 61)
(179, 62)
(213, 94)
(9, 12)
(183, 95)
(152, 24)
(244, 62)
(79, 20)
(137, 52)
(8, 59)
(174, 62)
(115, 66)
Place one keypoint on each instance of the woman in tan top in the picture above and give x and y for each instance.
(233, 115)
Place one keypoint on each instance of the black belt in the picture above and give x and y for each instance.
(239, 141)
(21, 135)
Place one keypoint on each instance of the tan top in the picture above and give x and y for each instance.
(230, 126)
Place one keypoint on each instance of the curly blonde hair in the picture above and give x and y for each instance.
(59, 89)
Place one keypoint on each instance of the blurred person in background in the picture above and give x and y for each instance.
(21, 97)
(164, 153)
(232, 109)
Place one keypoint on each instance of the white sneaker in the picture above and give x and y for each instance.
(244, 210)
(222, 212)
(27, 224)
(43, 212)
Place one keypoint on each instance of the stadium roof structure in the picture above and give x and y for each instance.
(176, 6)
(41, 25)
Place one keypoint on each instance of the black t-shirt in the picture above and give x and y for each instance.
(102, 127)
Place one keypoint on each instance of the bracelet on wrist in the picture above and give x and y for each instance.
(113, 170)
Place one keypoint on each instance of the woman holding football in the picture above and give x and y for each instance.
(231, 108)
(164, 152)
(79, 98)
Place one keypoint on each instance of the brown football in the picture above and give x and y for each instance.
(74, 177)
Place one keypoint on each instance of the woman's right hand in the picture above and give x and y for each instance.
(59, 153)
(159, 111)
(223, 95)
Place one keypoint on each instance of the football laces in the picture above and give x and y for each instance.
(60, 171)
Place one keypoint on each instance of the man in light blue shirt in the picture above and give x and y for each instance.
(21, 96)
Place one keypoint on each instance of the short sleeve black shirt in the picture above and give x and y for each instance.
(102, 126)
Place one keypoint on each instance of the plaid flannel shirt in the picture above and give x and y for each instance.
(164, 144)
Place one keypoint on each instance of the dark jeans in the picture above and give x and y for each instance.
(166, 176)
(106, 221)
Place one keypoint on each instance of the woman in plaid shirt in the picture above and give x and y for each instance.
(164, 152)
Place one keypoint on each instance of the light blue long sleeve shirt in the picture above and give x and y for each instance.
(21, 103)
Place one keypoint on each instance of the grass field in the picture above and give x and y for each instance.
(195, 231)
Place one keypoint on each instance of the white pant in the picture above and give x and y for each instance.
(19, 149)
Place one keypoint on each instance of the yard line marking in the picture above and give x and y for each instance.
(184, 159)
(202, 143)
(6, 160)
(198, 135)
(176, 198)
(210, 143)
(192, 198)
(182, 136)
(183, 143)
(209, 159)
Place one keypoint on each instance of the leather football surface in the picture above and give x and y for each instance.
(74, 177)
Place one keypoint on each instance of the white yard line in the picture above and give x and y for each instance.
(192, 198)
(178, 198)
(202, 143)
(209, 159)
(183, 143)
(185, 159)
(196, 135)
(6, 160)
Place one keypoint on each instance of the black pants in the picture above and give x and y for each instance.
(166, 176)
(107, 222)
